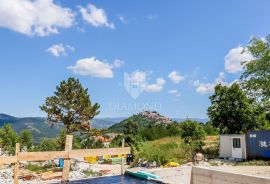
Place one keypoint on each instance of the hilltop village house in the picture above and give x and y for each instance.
(154, 116)
(111, 136)
(106, 142)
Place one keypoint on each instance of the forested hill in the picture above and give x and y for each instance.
(40, 128)
(143, 119)
(147, 118)
(37, 125)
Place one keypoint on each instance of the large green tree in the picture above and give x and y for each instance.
(233, 112)
(70, 105)
(256, 77)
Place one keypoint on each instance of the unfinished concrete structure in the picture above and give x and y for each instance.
(211, 176)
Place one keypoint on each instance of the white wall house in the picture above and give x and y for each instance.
(232, 146)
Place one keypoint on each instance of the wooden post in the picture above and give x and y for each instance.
(66, 168)
(122, 159)
(16, 166)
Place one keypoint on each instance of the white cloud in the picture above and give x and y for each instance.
(93, 67)
(140, 79)
(172, 91)
(60, 49)
(157, 87)
(175, 77)
(122, 19)
(118, 63)
(39, 17)
(204, 88)
(95, 16)
(235, 57)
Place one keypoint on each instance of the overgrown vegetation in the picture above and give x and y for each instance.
(172, 149)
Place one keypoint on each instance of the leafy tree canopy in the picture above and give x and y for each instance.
(256, 77)
(192, 133)
(231, 111)
(131, 128)
(70, 105)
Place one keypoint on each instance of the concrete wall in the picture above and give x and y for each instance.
(225, 145)
(209, 176)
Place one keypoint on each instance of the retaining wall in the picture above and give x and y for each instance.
(209, 176)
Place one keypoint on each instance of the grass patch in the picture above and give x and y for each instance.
(90, 172)
(162, 151)
(34, 167)
(42, 168)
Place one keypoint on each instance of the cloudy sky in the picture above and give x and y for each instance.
(131, 55)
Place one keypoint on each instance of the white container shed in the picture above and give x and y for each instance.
(232, 146)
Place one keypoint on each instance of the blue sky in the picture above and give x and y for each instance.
(180, 50)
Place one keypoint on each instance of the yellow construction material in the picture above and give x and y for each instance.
(106, 156)
(171, 164)
(91, 160)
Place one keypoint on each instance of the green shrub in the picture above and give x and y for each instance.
(34, 167)
(165, 150)
(90, 172)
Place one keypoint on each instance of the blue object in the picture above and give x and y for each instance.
(143, 174)
(61, 162)
(138, 175)
(114, 179)
(149, 174)
(258, 144)
(266, 154)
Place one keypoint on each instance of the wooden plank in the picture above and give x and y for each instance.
(122, 158)
(50, 155)
(68, 147)
(99, 152)
(5, 160)
(41, 156)
(16, 166)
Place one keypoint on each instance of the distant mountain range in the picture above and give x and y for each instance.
(40, 127)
